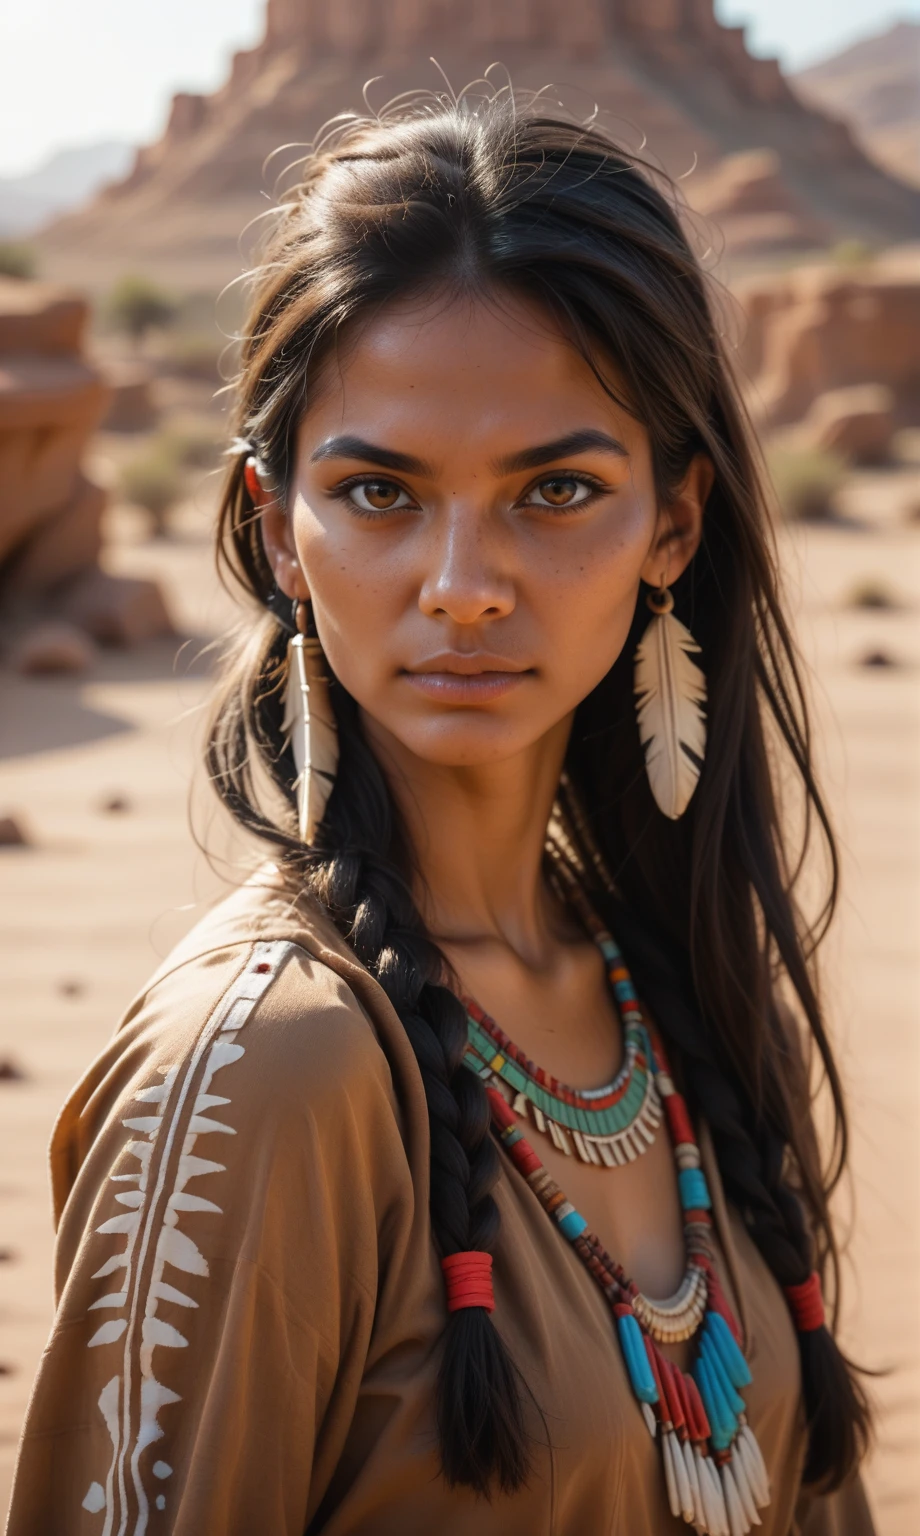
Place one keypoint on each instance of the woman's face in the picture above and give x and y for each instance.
(470, 515)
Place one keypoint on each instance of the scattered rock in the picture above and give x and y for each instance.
(856, 422)
(116, 610)
(9, 1072)
(11, 833)
(115, 805)
(53, 647)
(872, 594)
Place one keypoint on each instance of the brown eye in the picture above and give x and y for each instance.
(561, 491)
(382, 494)
(378, 496)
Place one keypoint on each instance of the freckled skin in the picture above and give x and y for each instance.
(534, 569)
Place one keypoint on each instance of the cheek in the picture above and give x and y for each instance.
(588, 603)
(352, 590)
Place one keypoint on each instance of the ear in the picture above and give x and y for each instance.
(679, 528)
(277, 534)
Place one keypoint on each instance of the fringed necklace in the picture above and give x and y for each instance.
(714, 1471)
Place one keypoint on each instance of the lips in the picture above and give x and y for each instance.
(454, 678)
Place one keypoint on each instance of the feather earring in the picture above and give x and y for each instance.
(310, 722)
(670, 694)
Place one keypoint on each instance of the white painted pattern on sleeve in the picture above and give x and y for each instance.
(150, 1217)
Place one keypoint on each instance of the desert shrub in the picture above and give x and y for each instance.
(17, 260)
(805, 481)
(136, 305)
(196, 356)
(154, 480)
(852, 253)
(192, 444)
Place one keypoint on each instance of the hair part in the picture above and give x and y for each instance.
(484, 201)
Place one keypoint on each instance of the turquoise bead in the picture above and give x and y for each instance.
(694, 1193)
(720, 1375)
(572, 1225)
(633, 1347)
(722, 1421)
(736, 1367)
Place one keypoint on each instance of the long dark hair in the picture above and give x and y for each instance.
(493, 198)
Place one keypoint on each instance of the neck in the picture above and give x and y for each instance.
(478, 837)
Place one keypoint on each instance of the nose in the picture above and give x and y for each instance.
(466, 578)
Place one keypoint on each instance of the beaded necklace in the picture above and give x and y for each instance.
(714, 1471)
(611, 1125)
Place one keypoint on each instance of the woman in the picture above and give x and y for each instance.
(334, 1254)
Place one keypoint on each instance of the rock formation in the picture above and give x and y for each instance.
(824, 329)
(51, 401)
(875, 87)
(754, 208)
(665, 70)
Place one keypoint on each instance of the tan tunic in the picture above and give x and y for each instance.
(250, 1302)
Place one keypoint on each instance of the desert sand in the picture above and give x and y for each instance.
(100, 772)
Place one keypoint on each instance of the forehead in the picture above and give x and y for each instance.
(461, 367)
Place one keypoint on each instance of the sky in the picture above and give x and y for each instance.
(80, 71)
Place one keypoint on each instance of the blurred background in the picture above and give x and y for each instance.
(133, 148)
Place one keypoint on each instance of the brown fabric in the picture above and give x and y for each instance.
(240, 1191)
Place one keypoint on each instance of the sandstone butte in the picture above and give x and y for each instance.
(660, 70)
(52, 399)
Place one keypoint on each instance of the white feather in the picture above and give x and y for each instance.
(670, 692)
(309, 720)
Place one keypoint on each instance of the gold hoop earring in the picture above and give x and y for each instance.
(670, 694)
(310, 722)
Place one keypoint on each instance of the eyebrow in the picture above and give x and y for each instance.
(560, 448)
(346, 447)
(587, 439)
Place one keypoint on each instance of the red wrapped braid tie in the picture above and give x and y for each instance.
(468, 1278)
(806, 1304)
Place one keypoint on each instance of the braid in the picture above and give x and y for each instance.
(359, 881)
(752, 1156)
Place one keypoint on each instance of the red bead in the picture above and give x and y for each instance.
(701, 1429)
(502, 1113)
(525, 1158)
(678, 1120)
(675, 1403)
(660, 1053)
(680, 1386)
(806, 1304)
(468, 1280)
(717, 1299)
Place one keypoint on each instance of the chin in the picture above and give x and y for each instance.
(463, 742)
